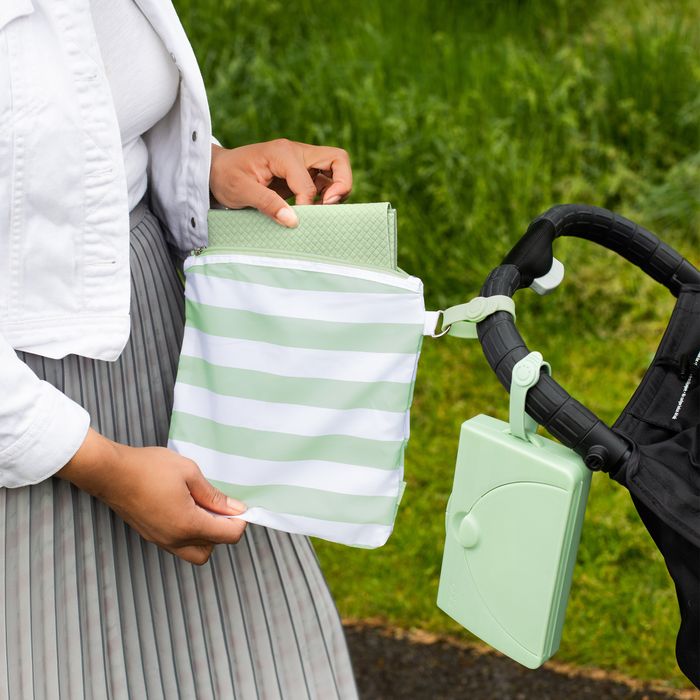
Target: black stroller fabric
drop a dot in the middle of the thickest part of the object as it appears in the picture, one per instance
(662, 421)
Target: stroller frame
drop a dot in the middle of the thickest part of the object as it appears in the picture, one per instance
(654, 453)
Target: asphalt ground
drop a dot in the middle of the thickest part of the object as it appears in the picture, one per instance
(393, 663)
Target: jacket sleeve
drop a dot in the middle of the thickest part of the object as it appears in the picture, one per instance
(40, 427)
(213, 202)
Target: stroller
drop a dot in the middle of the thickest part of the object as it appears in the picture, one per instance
(653, 449)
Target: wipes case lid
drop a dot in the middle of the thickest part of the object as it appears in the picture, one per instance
(513, 525)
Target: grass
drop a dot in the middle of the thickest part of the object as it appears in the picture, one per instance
(472, 118)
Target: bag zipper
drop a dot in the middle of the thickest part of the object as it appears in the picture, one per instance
(312, 258)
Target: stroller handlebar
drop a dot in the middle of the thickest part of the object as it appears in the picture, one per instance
(532, 255)
(547, 402)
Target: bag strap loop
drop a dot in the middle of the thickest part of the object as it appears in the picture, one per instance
(460, 320)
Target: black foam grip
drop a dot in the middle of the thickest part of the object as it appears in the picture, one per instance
(547, 402)
(532, 255)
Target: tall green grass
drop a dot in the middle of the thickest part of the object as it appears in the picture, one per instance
(472, 118)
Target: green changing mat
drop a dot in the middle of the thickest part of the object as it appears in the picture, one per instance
(356, 234)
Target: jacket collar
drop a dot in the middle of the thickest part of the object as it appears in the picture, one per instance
(11, 9)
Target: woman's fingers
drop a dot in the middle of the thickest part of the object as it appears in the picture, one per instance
(322, 183)
(209, 497)
(279, 185)
(267, 201)
(239, 177)
(206, 528)
(262, 175)
(337, 163)
(195, 553)
(217, 530)
(321, 180)
(287, 161)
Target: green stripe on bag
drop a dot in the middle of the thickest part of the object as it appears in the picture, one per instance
(321, 393)
(304, 333)
(303, 280)
(285, 447)
(314, 503)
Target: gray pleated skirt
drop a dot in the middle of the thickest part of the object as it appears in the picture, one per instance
(91, 610)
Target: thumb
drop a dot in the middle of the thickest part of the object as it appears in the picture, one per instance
(209, 497)
(270, 203)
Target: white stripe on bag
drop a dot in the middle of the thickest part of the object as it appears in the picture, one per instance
(312, 305)
(314, 474)
(291, 418)
(345, 533)
(286, 361)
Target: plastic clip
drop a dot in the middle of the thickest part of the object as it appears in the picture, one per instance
(526, 373)
(550, 280)
(460, 321)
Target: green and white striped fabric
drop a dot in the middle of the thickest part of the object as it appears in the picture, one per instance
(294, 387)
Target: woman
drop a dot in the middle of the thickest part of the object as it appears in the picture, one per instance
(106, 169)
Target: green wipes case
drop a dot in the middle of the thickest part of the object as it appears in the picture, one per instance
(297, 368)
(513, 525)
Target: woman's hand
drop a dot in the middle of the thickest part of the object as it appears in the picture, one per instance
(263, 175)
(161, 494)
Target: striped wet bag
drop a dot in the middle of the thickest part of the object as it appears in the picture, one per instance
(297, 369)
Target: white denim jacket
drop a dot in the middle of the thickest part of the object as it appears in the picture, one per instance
(64, 220)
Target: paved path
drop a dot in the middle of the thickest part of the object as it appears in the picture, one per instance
(395, 664)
